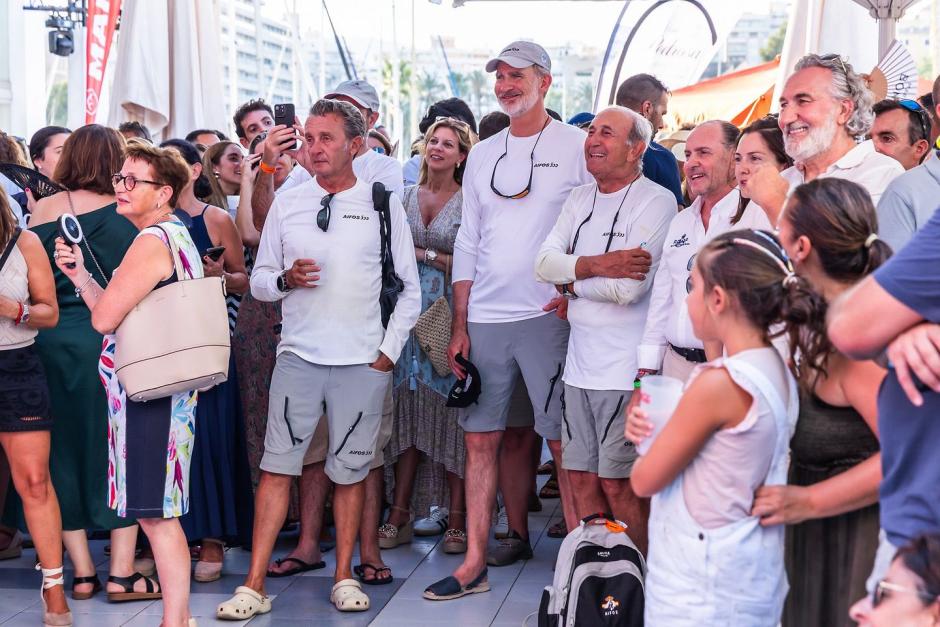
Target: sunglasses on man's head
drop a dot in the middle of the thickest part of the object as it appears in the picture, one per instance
(917, 109)
(323, 215)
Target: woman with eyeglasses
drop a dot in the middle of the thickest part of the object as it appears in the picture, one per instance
(909, 595)
(423, 425)
(830, 502)
(150, 443)
(69, 353)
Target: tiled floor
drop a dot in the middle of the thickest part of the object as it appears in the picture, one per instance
(304, 600)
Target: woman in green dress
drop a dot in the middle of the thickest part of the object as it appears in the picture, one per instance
(70, 352)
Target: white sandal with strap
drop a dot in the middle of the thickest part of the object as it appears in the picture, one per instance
(347, 596)
(52, 577)
(245, 604)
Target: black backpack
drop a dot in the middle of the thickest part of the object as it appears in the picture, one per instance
(392, 285)
(599, 578)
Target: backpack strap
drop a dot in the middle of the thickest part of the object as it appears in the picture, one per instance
(381, 201)
(10, 245)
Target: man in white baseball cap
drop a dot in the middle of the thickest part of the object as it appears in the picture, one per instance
(504, 320)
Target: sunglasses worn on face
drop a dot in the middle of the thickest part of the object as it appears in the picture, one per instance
(528, 186)
(917, 109)
(323, 215)
(130, 181)
(886, 589)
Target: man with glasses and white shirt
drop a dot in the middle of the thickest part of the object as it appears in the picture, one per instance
(588, 255)
(320, 255)
(514, 186)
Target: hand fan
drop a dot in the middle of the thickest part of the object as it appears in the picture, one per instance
(27, 178)
(895, 76)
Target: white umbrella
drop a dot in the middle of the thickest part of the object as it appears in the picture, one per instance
(824, 26)
(168, 74)
(887, 13)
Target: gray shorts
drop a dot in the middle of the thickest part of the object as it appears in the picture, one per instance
(320, 442)
(350, 396)
(534, 348)
(592, 437)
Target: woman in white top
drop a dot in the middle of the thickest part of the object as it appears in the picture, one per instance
(710, 560)
(28, 302)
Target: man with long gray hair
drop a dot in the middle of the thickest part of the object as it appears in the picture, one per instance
(825, 114)
(587, 256)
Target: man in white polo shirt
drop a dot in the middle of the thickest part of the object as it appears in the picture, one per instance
(587, 255)
(514, 186)
(669, 343)
(825, 114)
(320, 256)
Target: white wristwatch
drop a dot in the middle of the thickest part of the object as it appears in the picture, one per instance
(430, 255)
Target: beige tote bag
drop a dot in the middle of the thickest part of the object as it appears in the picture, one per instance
(175, 340)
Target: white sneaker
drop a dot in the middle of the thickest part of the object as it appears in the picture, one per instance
(433, 525)
(501, 529)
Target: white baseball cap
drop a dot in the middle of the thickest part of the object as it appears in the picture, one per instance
(520, 54)
(360, 91)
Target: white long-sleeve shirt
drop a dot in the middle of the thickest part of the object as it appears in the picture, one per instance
(499, 237)
(370, 166)
(608, 316)
(338, 322)
(668, 318)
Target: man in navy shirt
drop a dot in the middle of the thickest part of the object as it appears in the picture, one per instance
(646, 95)
(898, 308)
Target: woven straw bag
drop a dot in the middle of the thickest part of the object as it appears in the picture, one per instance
(432, 330)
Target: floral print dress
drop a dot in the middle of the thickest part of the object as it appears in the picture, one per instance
(150, 444)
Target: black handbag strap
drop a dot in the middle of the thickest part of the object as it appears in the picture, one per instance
(10, 245)
(380, 200)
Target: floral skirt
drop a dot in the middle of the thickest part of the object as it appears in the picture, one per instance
(150, 446)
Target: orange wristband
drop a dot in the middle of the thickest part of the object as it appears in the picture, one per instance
(267, 169)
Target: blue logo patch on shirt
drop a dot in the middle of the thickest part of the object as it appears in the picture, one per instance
(682, 241)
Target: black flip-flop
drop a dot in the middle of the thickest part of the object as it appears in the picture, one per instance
(360, 571)
(301, 567)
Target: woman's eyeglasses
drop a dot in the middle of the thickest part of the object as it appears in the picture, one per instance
(528, 185)
(886, 588)
(323, 215)
(130, 181)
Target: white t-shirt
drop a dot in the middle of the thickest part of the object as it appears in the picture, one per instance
(608, 316)
(370, 167)
(863, 165)
(668, 319)
(339, 321)
(499, 237)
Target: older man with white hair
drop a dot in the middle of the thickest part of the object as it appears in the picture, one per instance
(825, 114)
(589, 256)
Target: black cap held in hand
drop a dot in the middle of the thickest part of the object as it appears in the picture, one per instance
(465, 391)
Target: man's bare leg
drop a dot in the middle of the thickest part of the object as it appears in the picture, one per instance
(371, 512)
(271, 501)
(480, 479)
(628, 507)
(314, 487)
(564, 486)
(516, 474)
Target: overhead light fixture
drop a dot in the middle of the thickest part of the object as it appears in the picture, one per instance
(61, 36)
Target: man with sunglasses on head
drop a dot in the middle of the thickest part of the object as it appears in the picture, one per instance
(825, 114)
(514, 187)
(589, 255)
(911, 199)
(320, 256)
(901, 130)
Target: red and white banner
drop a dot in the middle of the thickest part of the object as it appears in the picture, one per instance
(100, 25)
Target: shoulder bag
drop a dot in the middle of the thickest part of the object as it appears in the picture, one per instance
(176, 339)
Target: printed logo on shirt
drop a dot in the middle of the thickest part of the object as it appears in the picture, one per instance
(546, 164)
(355, 216)
(355, 452)
(682, 241)
(610, 606)
(615, 234)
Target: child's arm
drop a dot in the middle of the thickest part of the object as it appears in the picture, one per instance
(713, 401)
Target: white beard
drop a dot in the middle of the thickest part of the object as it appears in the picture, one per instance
(524, 104)
(817, 140)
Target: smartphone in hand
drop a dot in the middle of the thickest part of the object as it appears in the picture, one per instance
(215, 253)
(284, 114)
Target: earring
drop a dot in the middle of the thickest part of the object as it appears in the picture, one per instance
(217, 175)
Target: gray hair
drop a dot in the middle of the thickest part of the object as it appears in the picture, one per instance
(640, 132)
(353, 124)
(846, 85)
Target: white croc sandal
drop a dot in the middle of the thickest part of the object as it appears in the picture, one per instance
(347, 596)
(245, 604)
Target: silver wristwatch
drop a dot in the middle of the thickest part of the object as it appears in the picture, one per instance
(430, 255)
(24, 318)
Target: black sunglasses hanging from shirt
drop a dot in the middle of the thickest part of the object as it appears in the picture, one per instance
(528, 186)
(610, 235)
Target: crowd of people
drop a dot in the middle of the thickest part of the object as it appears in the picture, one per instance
(405, 339)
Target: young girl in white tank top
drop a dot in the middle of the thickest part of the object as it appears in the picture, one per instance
(710, 561)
